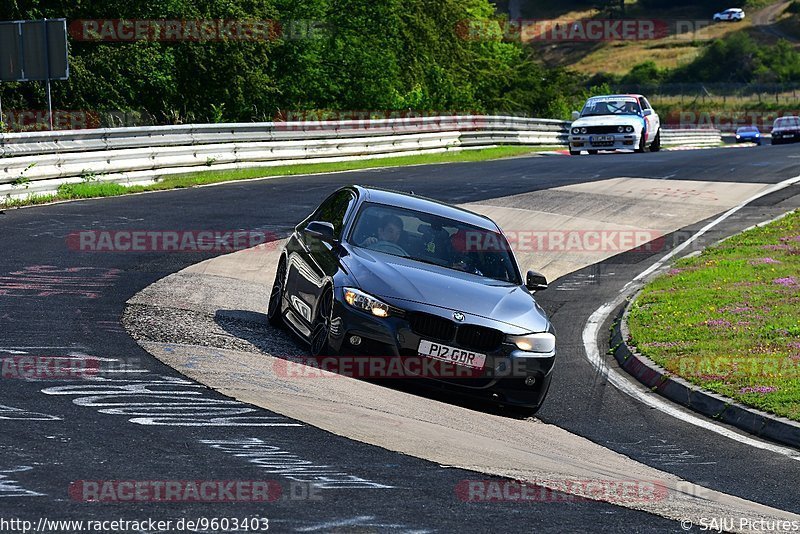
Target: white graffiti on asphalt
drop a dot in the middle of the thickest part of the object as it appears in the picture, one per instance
(164, 401)
(18, 414)
(277, 461)
(9, 488)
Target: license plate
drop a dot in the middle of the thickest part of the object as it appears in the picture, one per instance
(788, 135)
(601, 138)
(445, 353)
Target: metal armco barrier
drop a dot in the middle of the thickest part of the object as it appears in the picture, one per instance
(38, 162)
(691, 137)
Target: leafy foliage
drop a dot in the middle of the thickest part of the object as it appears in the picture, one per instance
(332, 55)
(739, 59)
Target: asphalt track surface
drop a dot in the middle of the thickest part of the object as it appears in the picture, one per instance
(55, 301)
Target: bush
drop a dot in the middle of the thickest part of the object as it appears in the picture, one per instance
(739, 59)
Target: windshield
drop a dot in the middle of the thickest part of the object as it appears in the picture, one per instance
(611, 106)
(785, 122)
(436, 240)
(746, 129)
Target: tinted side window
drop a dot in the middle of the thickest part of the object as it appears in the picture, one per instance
(644, 103)
(333, 211)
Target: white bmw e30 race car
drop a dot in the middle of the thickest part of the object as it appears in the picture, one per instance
(615, 122)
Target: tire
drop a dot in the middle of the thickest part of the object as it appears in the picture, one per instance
(774, 142)
(518, 412)
(274, 315)
(592, 152)
(321, 328)
(640, 148)
(574, 152)
(526, 411)
(655, 146)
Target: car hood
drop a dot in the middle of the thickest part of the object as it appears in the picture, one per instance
(609, 120)
(396, 278)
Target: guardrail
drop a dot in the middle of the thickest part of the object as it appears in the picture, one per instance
(704, 137)
(39, 162)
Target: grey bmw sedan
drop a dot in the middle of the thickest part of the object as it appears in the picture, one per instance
(398, 285)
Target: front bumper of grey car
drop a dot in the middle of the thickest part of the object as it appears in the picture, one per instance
(475, 356)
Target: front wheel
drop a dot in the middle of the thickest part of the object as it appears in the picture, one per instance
(640, 148)
(321, 328)
(574, 152)
(592, 152)
(274, 314)
(655, 146)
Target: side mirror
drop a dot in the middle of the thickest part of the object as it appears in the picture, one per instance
(535, 281)
(576, 115)
(646, 112)
(321, 230)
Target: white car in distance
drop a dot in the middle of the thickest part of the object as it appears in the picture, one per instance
(732, 14)
(615, 122)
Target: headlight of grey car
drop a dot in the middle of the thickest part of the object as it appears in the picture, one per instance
(576, 131)
(362, 301)
(629, 129)
(541, 342)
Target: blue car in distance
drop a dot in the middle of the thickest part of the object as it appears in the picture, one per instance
(748, 134)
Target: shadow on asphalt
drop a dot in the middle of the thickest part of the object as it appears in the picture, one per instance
(253, 327)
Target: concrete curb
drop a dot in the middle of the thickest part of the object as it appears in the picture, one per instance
(676, 389)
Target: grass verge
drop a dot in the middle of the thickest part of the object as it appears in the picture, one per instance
(729, 319)
(93, 188)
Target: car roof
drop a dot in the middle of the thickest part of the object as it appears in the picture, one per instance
(423, 204)
(629, 95)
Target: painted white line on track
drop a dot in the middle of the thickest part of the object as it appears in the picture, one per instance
(625, 385)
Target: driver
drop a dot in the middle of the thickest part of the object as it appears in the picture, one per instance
(390, 230)
(631, 107)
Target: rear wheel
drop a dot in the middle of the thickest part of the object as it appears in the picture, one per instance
(321, 329)
(274, 314)
(655, 146)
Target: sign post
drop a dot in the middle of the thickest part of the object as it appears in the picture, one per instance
(47, 67)
(34, 50)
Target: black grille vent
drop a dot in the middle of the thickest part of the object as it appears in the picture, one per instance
(426, 325)
(479, 338)
(602, 129)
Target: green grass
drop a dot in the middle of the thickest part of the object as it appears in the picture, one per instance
(93, 188)
(729, 319)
